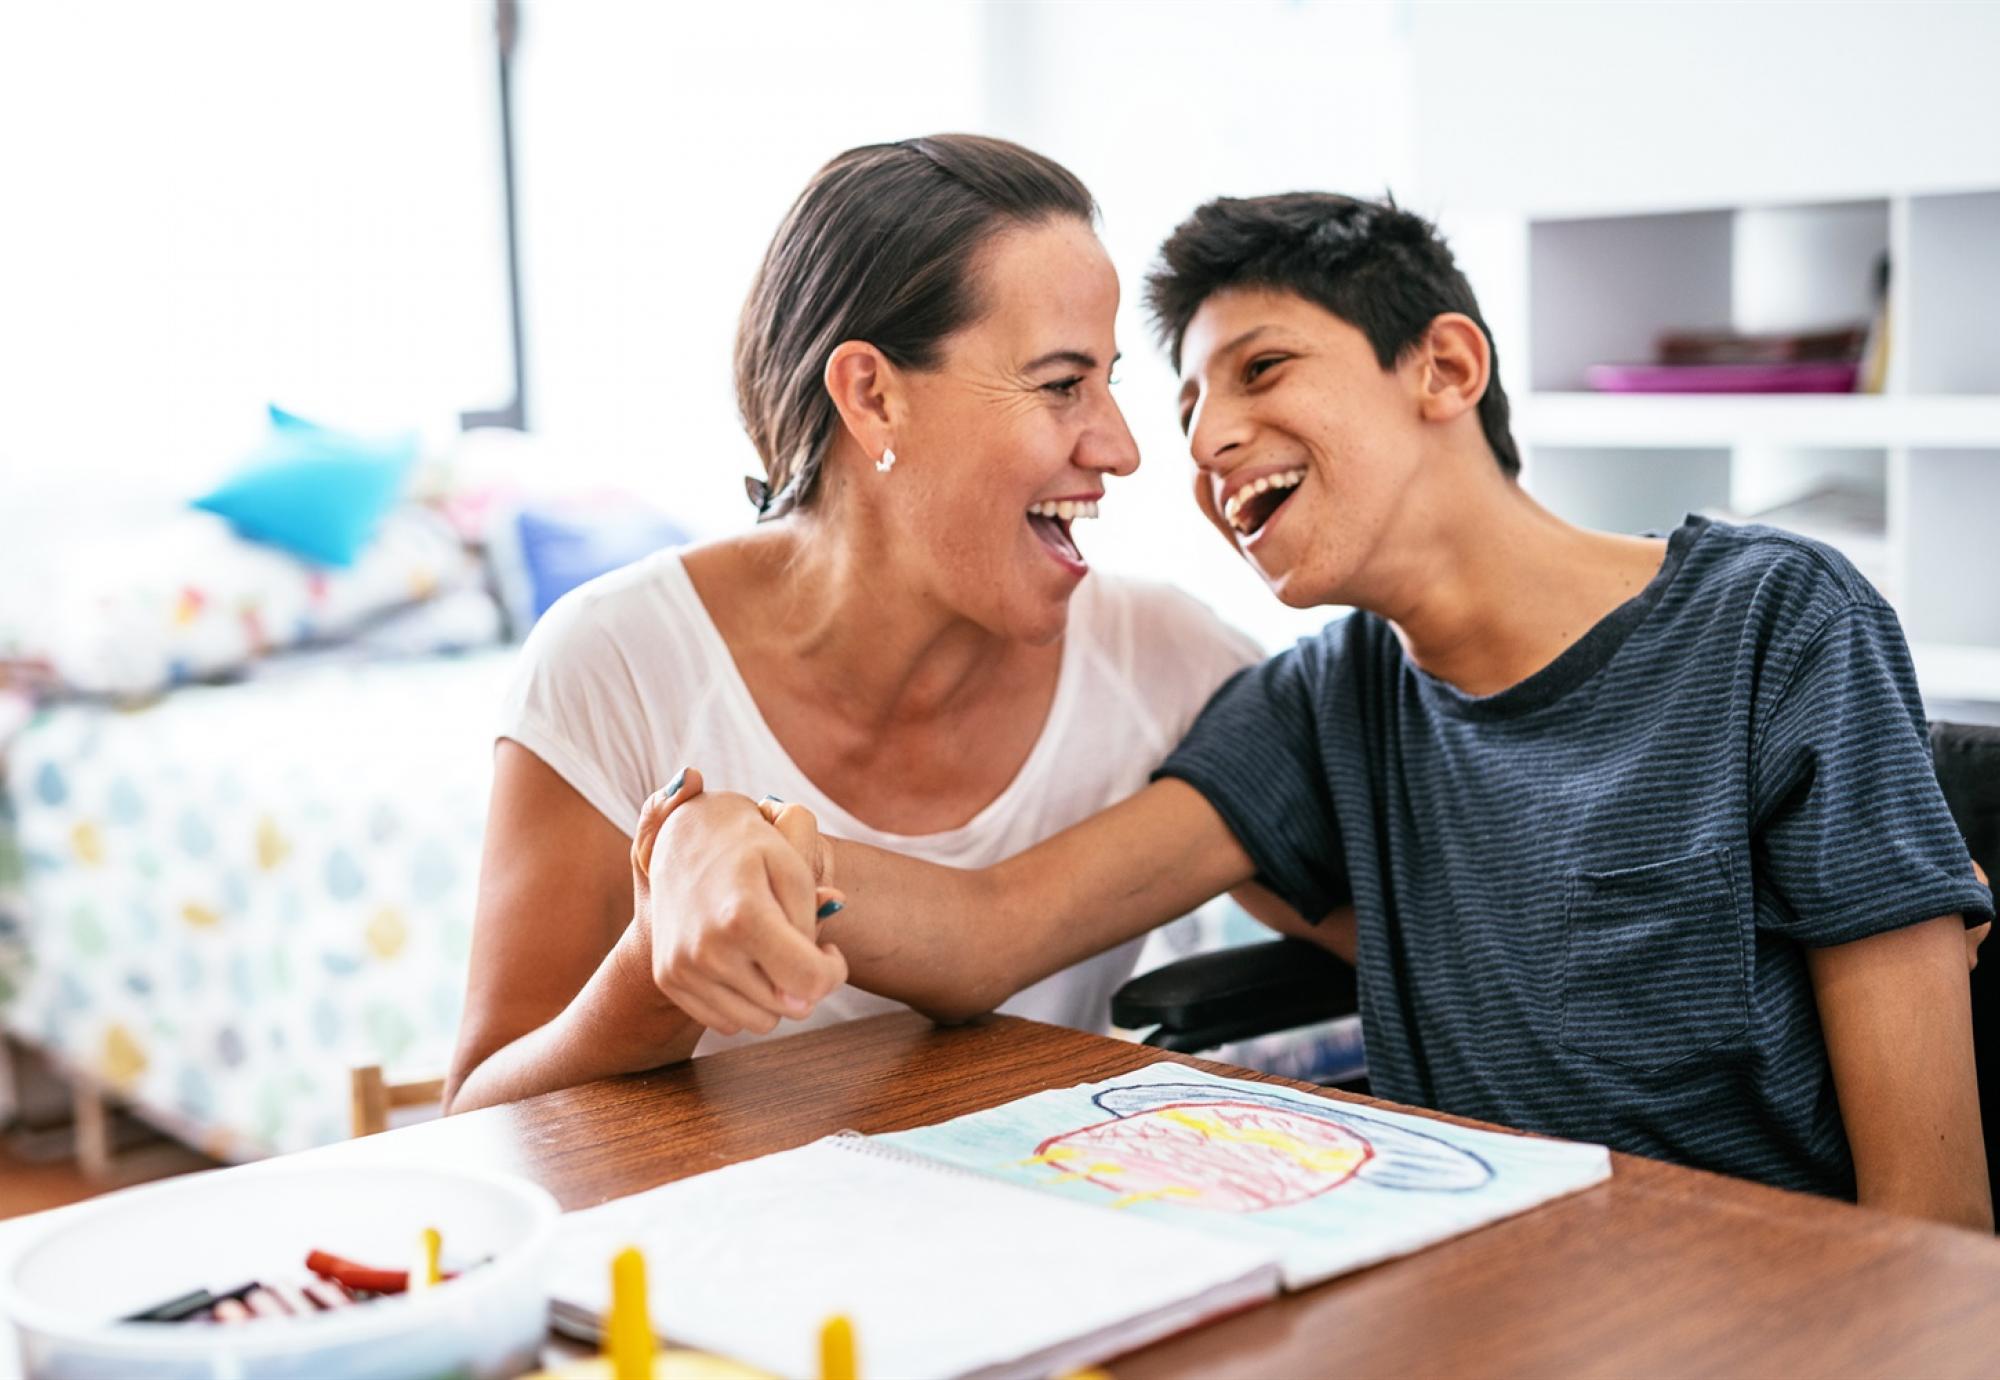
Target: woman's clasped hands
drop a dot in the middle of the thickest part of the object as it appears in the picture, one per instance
(731, 894)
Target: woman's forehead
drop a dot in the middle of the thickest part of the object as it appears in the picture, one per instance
(1046, 288)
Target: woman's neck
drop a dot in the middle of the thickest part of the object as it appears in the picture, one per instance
(822, 599)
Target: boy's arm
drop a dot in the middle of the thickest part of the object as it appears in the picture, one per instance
(952, 943)
(956, 943)
(1897, 1018)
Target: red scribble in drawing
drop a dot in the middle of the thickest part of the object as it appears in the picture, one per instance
(1223, 1156)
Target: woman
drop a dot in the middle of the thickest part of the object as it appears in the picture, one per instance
(906, 642)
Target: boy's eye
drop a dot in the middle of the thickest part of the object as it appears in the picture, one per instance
(1260, 365)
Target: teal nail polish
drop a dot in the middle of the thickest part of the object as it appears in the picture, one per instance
(771, 800)
(674, 786)
(831, 909)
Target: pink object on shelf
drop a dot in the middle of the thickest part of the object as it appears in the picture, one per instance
(1807, 377)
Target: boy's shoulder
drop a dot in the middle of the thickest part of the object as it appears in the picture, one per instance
(1777, 566)
(1776, 590)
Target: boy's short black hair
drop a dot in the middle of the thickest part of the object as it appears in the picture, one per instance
(1381, 269)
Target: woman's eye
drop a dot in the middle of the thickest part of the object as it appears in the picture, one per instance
(1064, 387)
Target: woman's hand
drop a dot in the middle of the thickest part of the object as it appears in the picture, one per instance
(731, 906)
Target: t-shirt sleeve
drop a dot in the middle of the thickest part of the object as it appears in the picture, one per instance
(1254, 754)
(575, 702)
(1850, 831)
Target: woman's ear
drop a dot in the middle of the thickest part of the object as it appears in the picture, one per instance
(867, 392)
(1456, 362)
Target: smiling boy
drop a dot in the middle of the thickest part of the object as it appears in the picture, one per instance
(1640, 835)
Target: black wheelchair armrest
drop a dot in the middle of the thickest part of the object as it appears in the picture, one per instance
(1967, 758)
(1234, 994)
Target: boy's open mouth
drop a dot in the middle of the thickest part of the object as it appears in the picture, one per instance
(1257, 502)
(1051, 522)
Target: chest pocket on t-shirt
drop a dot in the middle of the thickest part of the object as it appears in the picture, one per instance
(1653, 963)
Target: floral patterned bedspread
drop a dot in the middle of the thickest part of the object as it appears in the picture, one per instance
(220, 903)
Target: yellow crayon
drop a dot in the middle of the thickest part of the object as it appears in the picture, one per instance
(836, 1350)
(424, 1271)
(628, 1334)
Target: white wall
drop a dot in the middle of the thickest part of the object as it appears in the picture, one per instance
(1563, 107)
(659, 146)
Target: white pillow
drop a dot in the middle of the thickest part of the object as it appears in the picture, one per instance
(184, 598)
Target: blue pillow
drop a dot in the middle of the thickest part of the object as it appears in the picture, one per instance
(314, 491)
(544, 550)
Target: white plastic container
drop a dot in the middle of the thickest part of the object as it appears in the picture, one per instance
(129, 1252)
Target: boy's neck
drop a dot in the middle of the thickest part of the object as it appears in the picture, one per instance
(1486, 587)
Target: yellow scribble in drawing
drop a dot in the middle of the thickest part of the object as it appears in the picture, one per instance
(1064, 1154)
(1170, 1191)
(1089, 1171)
(1055, 1154)
(1332, 1159)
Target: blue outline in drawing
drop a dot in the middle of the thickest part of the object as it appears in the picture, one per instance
(1404, 1160)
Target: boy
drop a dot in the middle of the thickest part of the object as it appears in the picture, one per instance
(1641, 836)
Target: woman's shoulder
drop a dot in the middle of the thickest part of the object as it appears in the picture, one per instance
(1163, 650)
(1151, 620)
(640, 623)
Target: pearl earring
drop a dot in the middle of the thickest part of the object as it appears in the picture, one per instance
(887, 462)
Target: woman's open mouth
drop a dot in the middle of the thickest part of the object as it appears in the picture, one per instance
(1251, 508)
(1051, 522)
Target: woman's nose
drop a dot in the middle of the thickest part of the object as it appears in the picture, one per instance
(1108, 446)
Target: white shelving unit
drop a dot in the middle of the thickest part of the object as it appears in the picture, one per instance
(1906, 482)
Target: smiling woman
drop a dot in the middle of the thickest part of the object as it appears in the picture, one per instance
(909, 641)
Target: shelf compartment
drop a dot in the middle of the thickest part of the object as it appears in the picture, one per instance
(1953, 284)
(1951, 559)
(1602, 291)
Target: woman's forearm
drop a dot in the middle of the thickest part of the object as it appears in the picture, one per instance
(618, 1023)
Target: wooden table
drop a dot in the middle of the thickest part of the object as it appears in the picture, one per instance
(1662, 1271)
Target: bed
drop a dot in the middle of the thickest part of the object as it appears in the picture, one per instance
(218, 905)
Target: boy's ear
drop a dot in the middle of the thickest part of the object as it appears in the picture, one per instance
(866, 390)
(1455, 363)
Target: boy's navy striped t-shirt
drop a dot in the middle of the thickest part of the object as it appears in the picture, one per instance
(1584, 902)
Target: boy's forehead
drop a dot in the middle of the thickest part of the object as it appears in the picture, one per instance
(1228, 321)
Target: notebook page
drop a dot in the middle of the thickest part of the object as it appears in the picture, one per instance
(943, 1273)
(1325, 1186)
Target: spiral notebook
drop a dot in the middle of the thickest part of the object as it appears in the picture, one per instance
(1052, 1232)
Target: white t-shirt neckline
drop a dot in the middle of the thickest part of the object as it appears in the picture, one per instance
(741, 705)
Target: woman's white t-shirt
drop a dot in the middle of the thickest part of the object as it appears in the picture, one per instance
(627, 679)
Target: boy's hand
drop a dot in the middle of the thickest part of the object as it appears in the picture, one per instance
(729, 905)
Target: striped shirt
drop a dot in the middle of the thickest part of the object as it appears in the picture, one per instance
(1585, 901)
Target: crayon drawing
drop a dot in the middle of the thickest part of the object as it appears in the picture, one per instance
(1235, 1150)
(1327, 1185)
